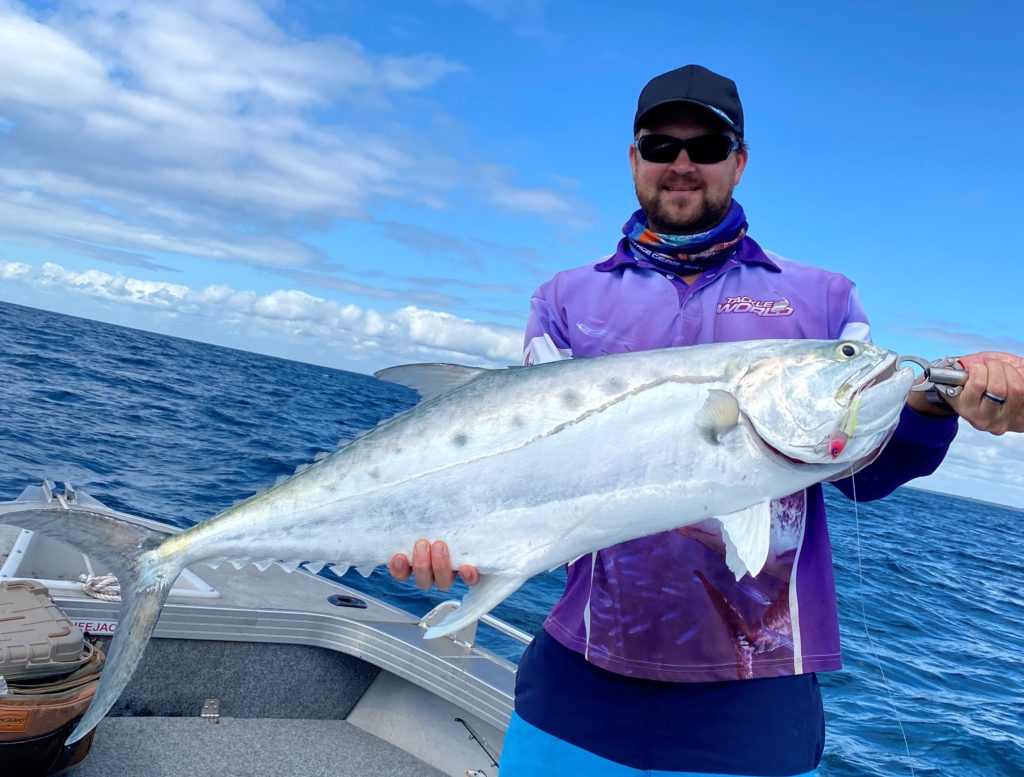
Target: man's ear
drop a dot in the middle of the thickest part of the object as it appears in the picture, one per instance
(742, 156)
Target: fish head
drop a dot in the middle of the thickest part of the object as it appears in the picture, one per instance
(825, 401)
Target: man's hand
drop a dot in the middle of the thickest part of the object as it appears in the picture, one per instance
(994, 376)
(431, 564)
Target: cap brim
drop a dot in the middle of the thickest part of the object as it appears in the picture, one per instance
(714, 112)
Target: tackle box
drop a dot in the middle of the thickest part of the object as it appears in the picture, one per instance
(36, 638)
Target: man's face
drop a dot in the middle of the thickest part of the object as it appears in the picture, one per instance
(680, 197)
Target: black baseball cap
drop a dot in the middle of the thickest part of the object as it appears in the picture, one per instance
(695, 85)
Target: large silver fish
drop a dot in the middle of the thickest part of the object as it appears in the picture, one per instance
(521, 470)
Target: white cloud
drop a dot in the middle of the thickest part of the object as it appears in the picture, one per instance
(527, 17)
(968, 342)
(195, 128)
(113, 287)
(982, 466)
(15, 271)
(46, 65)
(549, 204)
(541, 202)
(285, 322)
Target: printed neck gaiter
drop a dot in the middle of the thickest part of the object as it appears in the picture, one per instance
(687, 254)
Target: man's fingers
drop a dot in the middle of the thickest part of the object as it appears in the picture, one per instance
(422, 568)
(1006, 358)
(469, 574)
(442, 563)
(968, 404)
(431, 565)
(996, 388)
(993, 397)
(1014, 407)
(399, 567)
(977, 379)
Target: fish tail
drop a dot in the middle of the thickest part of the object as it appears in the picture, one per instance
(146, 567)
(141, 601)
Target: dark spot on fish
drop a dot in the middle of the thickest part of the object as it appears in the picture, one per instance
(517, 421)
(613, 385)
(571, 399)
(374, 474)
(459, 440)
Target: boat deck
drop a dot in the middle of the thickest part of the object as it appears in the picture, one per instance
(249, 747)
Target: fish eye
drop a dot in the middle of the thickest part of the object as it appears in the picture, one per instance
(849, 350)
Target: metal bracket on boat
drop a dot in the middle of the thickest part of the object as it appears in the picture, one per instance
(467, 635)
(211, 711)
(464, 636)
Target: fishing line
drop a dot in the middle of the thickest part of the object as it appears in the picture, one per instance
(867, 631)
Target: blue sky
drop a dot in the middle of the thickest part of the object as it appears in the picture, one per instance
(359, 183)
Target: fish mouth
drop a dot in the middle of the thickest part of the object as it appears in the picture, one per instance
(878, 373)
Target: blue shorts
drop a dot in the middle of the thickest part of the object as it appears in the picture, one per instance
(572, 717)
(530, 752)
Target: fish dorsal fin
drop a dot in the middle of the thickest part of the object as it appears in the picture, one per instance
(430, 380)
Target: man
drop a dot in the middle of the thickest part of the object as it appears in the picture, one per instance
(656, 660)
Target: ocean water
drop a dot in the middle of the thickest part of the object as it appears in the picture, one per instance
(931, 588)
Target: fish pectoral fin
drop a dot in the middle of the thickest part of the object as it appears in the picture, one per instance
(430, 380)
(481, 599)
(747, 534)
(720, 414)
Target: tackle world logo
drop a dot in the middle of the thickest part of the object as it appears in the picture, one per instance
(767, 308)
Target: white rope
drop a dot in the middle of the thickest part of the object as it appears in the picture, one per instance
(102, 587)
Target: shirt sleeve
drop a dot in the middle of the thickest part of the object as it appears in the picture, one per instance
(854, 325)
(918, 445)
(546, 338)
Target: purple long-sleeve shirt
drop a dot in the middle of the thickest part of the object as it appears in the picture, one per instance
(666, 607)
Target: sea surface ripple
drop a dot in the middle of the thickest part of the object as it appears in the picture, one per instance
(931, 587)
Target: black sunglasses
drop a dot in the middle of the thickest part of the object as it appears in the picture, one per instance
(702, 150)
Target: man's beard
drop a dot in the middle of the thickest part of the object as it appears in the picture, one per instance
(659, 220)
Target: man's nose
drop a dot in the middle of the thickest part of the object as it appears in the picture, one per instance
(682, 162)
